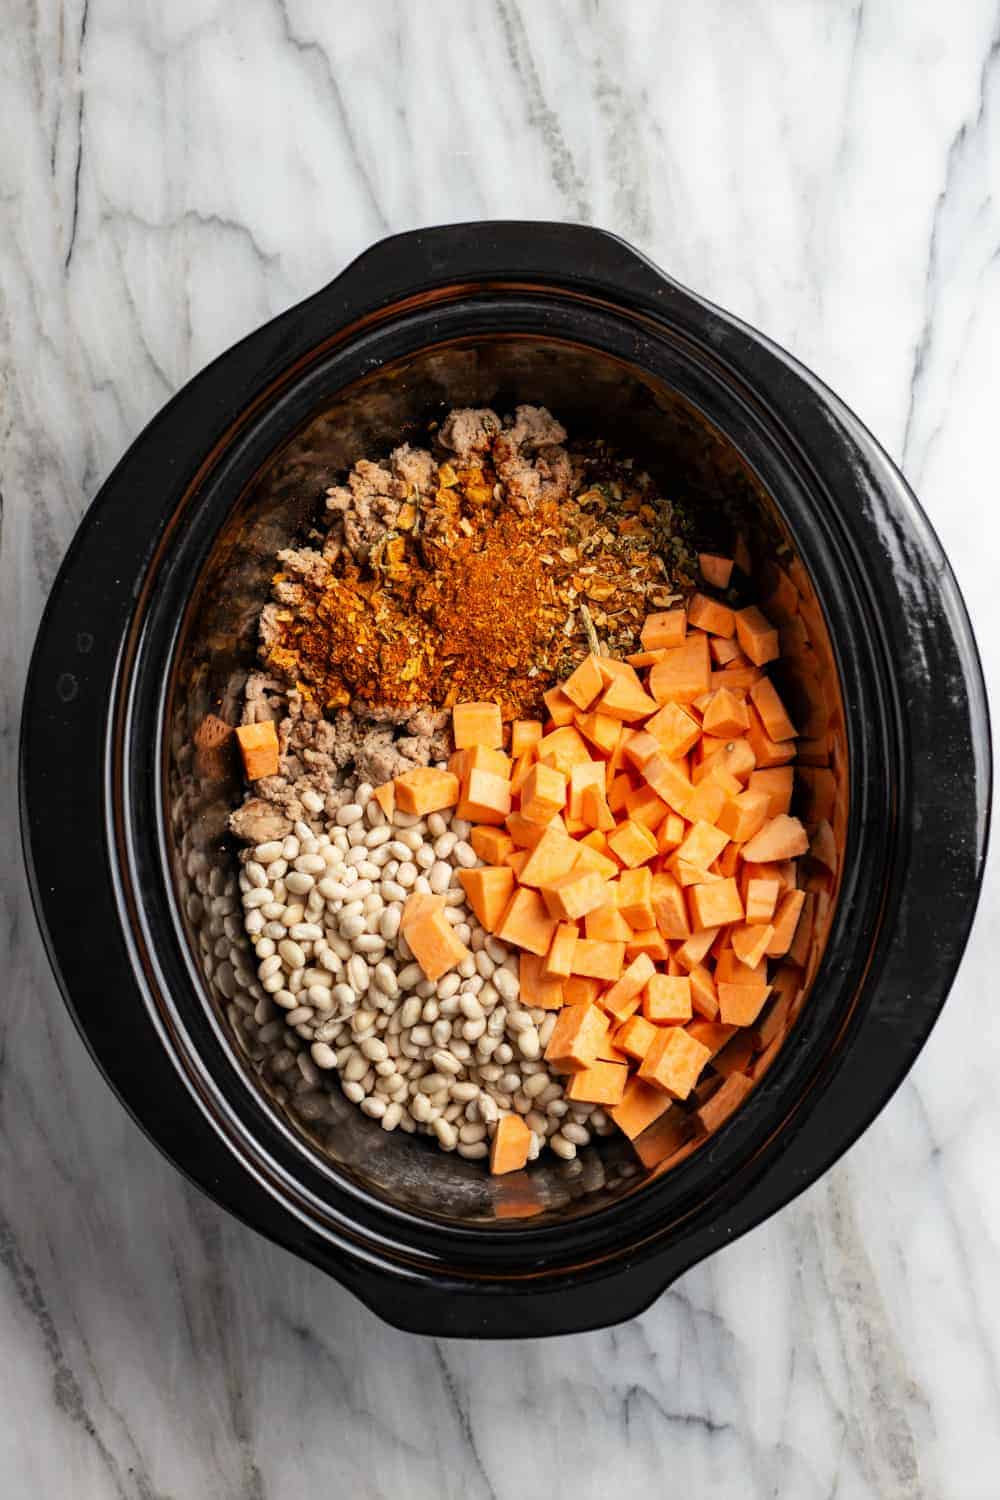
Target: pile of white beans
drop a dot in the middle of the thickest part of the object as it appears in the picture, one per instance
(322, 909)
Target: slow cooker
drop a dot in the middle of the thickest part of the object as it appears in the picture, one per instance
(152, 623)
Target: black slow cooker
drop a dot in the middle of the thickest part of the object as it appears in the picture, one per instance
(151, 624)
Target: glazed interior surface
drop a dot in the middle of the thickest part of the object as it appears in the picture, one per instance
(593, 394)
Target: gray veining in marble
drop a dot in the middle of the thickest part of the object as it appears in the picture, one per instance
(170, 176)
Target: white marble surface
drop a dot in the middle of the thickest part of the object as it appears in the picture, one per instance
(170, 175)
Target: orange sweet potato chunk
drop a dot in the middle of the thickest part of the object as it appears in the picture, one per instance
(649, 941)
(598, 960)
(524, 736)
(760, 900)
(750, 944)
(488, 891)
(726, 715)
(780, 838)
(562, 749)
(667, 627)
(584, 684)
(702, 843)
(259, 749)
(602, 1083)
(622, 999)
(707, 614)
(715, 904)
(431, 937)
(607, 925)
(704, 998)
(577, 1037)
(626, 701)
(594, 809)
(633, 843)
(477, 724)
(600, 729)
(543, 793)
(588, 773)
(385, 796)
(669, 780)
(589, 857)
(674, 729)
(578, 989)
(741, 1004)
(767, 752)
(491, 844)
(561, 709)
(674, 1062)
(757, 636)
(777, 782)
(669, 907)
(558, 962)
(635, 897)
(786, 920)
(571, 895)
(744, 815)
(641, 1105)
(711, 1034)
(425, 790)
(666, 1000)
(635, 1036)
(526, 923)
(773, 714)
(645, 807)
(684, 673)
(715, 570)
(510, 1145)
(554, 854)
(536, 989)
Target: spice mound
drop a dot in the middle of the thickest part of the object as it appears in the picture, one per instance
(480, 568)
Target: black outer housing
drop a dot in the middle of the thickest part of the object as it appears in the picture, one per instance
(920, 773)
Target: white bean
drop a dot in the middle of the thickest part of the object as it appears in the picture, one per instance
(350, 813)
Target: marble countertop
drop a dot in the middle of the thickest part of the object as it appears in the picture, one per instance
(172, 175)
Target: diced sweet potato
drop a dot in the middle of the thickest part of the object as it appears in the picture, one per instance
(786, 920)
(561, 709)
(258, 749)
(600, 729)
(760, 901)
(517, 860)
(562, 749)
(385, 796)
(666, 1000)
(488, 891)
(702, 843)
(601, 1083)
(526, 923)
(731, 968)
(641, 747)
(726, 715)
(741, 1004)
(558, 963)
(715, 904)
(684, 673)
(579, 989)
(705, 801)
(715, 1111)
(482, 758)
(767, 752)
(536, 989)
(670, 834)
(524, 736)
(634, 1037)
(773, 714)
(757, 636)
(431, 937)
(635, 897)
(577, 1037)
(649, 941)
(744, 815)
(667, 627)
(588, 773)
(622, 999)
(491, 844)
(594, 809)
(704, 998)
(643, 806)
(589, 857)
(543, 793)
(780, 838)
(632, 843)
(641, 1104)
(725, 651)
(750, 943)
(669, 780)
(607, 925)
(693, 949)
(570, 895)
(669, 907)
(554, 854)
(715, 570)
(707, 614)
(777, 782)
(598, 960)
(486, 797)
(823, 847)
(626, 701)
(477, 724)
(510, 1145)
(618, 792)
(584, 684)
(674, 1062)
(674, 729)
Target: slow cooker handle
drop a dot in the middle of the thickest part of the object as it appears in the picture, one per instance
(419, 261)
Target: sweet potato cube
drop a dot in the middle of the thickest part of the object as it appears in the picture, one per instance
(584, 684)
(684, 673)
(798, 953)
(669, 907)
(786, 920)
(715, 570)
(705, 802)
(704, 998)
(724, 1102)
(707, 614)
(780, 838)
(622, 999)
(524, 736)
(594, 809)
(667, 1001)
(536, 989)
(491, 844)
(634, 1036)
(669, 780)
(600, 729)
(693, 949)
(555, 854)
(626, 701)
(589, 857)
(526, 923)
(670, 834)
(611, 667)
(562, 749)
(641, 747)
(577, 1037)
(517, 860)
(510, 1145)
(649, 941)
(519, 774)
(601, 1083)
(726, 715)
(488, 891)
(675, 730)
(561, 709)
(713, 905)
(735, 756)
(635, 897)
(757, 636)
(731, 968)
(543, 793)
(643, 806)
(702, 843)
(258, 749)
(609, 1051)
(588, 773)
(477, 724)
(773, 715)
(486, 797)
(760, 900)
(711, 1034)
(527, 834)
(742, 816)
(723, 652)
(641, 1105)
(633, 843)
(823, 847)
(578, 988)
(482, 758)
(616, 761)
(777, 782)
(666, 627)
(570, 895)
(598, 960)
(674, 1062)
(558, 963)
(741, 1004)
(750, 943)
(767, 752)
(431, 937)
(605, 924)
(618, 792)
(385, 796)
